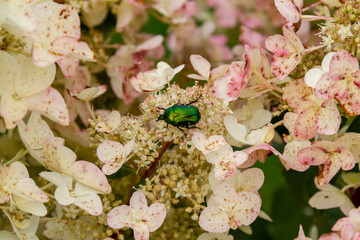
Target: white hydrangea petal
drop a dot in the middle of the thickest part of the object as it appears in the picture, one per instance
(29, 232)
(351, 142)
(201, 65)
(91, 93)
(90, 175)
(27, 187)
(327, 199)
(151, 43)
(225, 196)
(252, 179)
(247, 208)
(325, 64)
(111, 123)
(91, 203)
(5, 234)
(62, 195)
(138, 205)
(199, 140)
(260, 118)
(120, 217)
(313, 76)
(51, 104)
(220, 154)
(35, 132)
(57, 178)
(234, 128)
(33, 79)
(33, 207)
(12, 110)
(155, 216)
(212, 219)
(141, 231)
(110, 151)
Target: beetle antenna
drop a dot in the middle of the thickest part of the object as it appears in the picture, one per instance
(194, 100)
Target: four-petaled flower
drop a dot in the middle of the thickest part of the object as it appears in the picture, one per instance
(138, 216)
(114, 155)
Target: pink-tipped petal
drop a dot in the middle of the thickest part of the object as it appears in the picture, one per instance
(110, 152)
(342, 63)
(313, 155)
(288, 10)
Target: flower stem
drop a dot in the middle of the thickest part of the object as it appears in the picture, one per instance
(311, 6)
(20, 154)
(152, 167)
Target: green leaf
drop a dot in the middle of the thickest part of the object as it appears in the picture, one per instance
(124, 171)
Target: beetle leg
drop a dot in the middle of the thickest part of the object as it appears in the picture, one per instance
(182, 131)
(193, 101)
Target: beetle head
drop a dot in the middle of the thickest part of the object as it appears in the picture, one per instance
(160, 117)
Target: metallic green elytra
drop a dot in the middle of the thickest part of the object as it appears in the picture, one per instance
(181, 115)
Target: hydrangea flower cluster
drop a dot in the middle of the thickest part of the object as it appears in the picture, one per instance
(163, 119)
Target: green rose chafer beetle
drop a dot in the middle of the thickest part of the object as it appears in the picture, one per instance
(181, 115)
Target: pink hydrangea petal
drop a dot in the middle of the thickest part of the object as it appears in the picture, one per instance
(327, 199)
(326, 87)
(90, 203)
(225, 12)
(72, 47)
(12, 110)
(288, 10)
(90, 175)
(329, 236)
(305, 124)
(42, 57)
(252, 179)
(328, 118)
(33, 79)
(138, 205)
(111, 123)
(26, 187)
(342, 63)
(290, 155)
(110, 152)
(141, 231)
(212, 219)
(281, 67)
(201, 65)
(350, 99)
(301, 235)
(289, 121)
(313, 155)
(109, 169)
(347, 232)
(294, 93)
(120, 217)
(51, 104)
(294, 40)
(351, 142)
(225, 196)
(247, 208)
(275, 43)
(326, 172)
(155, 216)
(68, 66)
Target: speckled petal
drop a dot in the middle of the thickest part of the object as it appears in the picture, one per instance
(288, 10)
(313, 155)
(155, 216)
(141, 231)
(342, 63)
(351, 141)
(326, 172)
(328, 118)
(110, 124)
(225, 196)
(247, 208)
(138, 205)
(51, 104)
(290, 155)
(26, 187)
(120, 217)
(90, 203)
(305, 124)
(90, 175)
(212, 219)
(12, 110)
(252, 179)
(343, 158)
(110, 152)
(72, 47)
